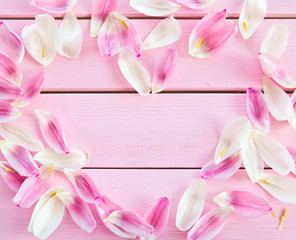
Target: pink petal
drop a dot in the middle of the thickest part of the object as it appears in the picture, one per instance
(245, 204)
(223, 170)
(52, 132)
(130, 222)
(33, 188)
(9, 70)
(210, 34)
(100, 11)
(12, 40)
(31, 88)
(11, 177)
(210, 224)
(9, 91)
(164, 69)
(257, 109)
(273, 69)
(8, 112)
(293, 98)
(197, 4)
(128, 35)
(79, 211)
(157, 216)
(84, 185)
(19, 158)
(54, 6)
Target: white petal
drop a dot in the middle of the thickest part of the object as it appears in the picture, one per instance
(233, 137)
(276, 40)
(278, 102)
(252, 14)
(70, 36)
(134, 72)
(273, 153)
(166, 32)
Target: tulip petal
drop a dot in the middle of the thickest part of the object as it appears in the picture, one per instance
(54, 6)
(77, 158)
(252, 15)
(9, 91)
(33, 188)
(280, 187)
(128, 35)
(108, 40)
(100, 11)
(233, 137)
(210, 34)
(52, 131)
(130, 222)
(164, 69)
(8, 112)
(134, 72)
(245, 204)
(197, 4)
(31, 88)
(257, 109)
(223, 170)
(253, 161)
(11, 177)
(155, 7)
(191, 206)
(278, 102)
(9, 70)
(210, 224)
(41, 39)
(47, 215)
(79, 211)
(70, 36)
(274, 153)
(157, 216)
(12, 40)
(84, 185)
(165, 33)
(276, 40)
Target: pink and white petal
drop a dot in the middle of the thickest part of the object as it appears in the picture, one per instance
(191, 206)
(9, 70)
(130, 222)
(157, 216)
(257, 109)
(100, 11)
(210, 224)
(9, 91)
(8, 112)
(278, 102)
(275, 42)
(31, 87)
(274, 153)
(54, 6)
(273, 69)
(165, 33)
(245, 204)
(128, 35)
(292, 122)
(293, 98)
(79, 211)
(108, 40)
(233, 137)
(281, 187)
(70, 36)
(223, 170)
(84, 185)
(155, 8)
(11, 177)
(12, 40)
(75, 159)
(252, 15)
(134, 72)
(197, 4)
(164, 69)
(52, 131)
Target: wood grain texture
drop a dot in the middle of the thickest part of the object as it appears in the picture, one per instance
(138, 189)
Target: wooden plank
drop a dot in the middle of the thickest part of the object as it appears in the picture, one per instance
(159, 131)
(236, 67)
(138, 189)
(20, 8)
